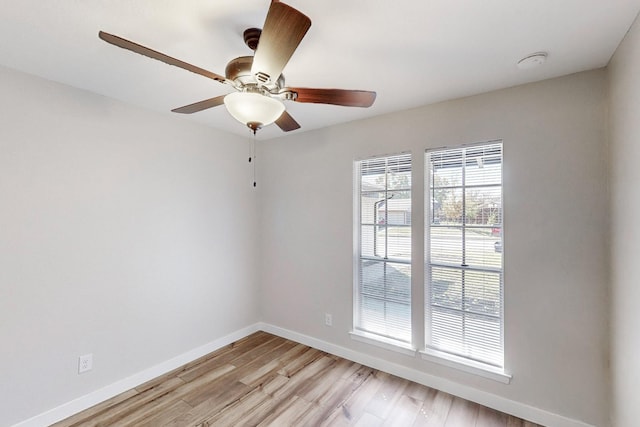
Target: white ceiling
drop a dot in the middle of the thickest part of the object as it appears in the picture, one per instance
(411, 52)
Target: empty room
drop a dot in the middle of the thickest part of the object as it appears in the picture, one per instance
(254, 212)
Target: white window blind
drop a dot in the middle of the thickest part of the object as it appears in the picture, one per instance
(464, 252)
(383, 262)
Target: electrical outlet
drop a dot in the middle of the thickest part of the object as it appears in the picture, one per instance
(85, 363)
(328, 319)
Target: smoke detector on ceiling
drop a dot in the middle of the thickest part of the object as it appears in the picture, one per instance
(532, 61)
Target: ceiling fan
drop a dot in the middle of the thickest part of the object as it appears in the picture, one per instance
(258, 81)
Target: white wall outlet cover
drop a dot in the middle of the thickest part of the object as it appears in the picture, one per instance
(85, 363)
(328, 319)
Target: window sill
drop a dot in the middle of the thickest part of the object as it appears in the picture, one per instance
(469, 366)
(386, 343)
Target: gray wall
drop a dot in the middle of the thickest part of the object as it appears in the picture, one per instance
(556, 221)
(123, 233)
(624, 123)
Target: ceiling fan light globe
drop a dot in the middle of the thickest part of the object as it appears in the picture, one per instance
(247, 107)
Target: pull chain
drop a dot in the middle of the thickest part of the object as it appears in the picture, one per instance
(252, 156)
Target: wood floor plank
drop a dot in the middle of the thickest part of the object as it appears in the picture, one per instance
(295, 365)
(338, 418)
(435, 410)
(462, 413)
(169, 413)
(247, 365)
(233, 414)
(96, 410)
(219, 357)
(298, 381)
(386, 396)
(333, 399)
(267, 380)
(354, 407)
(419, 392)
(320, 391)
(162, 408)
(267, 370)
(262, 351)
(260, 374)
(192, 391)
(231, 356)
(292, 387)
(517, 422)
(287, 414)
(262, 411)
(488, 417)
(289, 390)
(404, 412)
(133, 404)
(369, 420)
(209, 408)
(313, 416)
(274, 384)
(323, 369)
(319, 413)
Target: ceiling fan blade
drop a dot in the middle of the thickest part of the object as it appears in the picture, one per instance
(347, 98)
(284, 29)
(199, 106)
(134, 47)
(287, 123)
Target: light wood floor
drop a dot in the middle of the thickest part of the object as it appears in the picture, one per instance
(264, 380)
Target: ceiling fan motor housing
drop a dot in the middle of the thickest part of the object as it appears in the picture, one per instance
(239, 71)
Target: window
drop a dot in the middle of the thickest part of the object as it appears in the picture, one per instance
(464, 253)
(383, 248)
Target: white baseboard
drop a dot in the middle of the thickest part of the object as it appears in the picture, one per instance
(499, 403)
(502, 404)
(85, 402)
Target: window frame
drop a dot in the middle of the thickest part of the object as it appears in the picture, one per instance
(491, 369)
(359, 332)
(417, 345)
